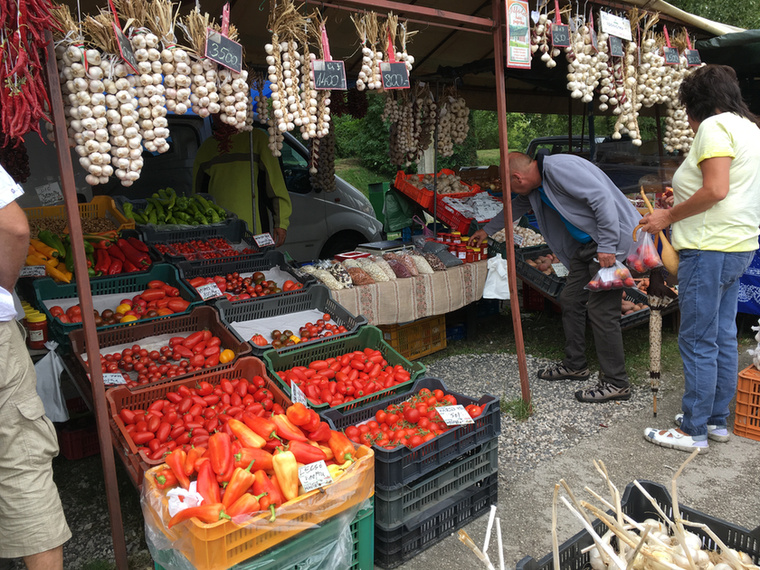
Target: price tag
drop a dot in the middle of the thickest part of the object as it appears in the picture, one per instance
(454, 415)
(125, 48)
(518, 240)
(32, 271)
(671, 55)
(113, 378)
(314, 475)
(594, 39)
(560, 269)
(263, 240)
(329, 75)
(560, 35)
(297, 395)
(209, 291)
(224, 51)
(395, 75)
(49, 194)
(692, 57)
(616, 47)
(615, 25)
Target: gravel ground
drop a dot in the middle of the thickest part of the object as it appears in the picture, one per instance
(559, 422)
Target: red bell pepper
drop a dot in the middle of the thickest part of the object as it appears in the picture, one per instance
(176, 462)
(220, 453)
(272, 496)
(298, 414)
(102, 261)
(240, 482)
(262, 426)
(306, 453)
(205, 513)
(341, 446)
(165, 479)
(129, 267)
(116, 267)
(245, 505)
(207, 486)
(321, 434)
(137, 244)
(286, 429)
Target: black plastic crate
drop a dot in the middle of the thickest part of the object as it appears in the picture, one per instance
(638, 507)
(245, 264)
(400, 506)
(315, 297)
(396, 546)
(639, 317)
(403, 466)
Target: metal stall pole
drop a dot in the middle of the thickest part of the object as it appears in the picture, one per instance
(85, 299)
(501, 109)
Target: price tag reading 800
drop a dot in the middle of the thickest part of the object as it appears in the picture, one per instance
(224, 51)
(314, 475)
(395, 75)
(454, 415)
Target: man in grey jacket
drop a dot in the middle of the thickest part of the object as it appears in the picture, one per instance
(588, 223)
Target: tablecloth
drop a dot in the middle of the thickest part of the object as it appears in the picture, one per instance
(749, 288)
(404, 300)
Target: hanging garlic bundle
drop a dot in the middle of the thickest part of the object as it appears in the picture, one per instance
(248, 125)
(585, 64)
(542, 37)
(402, 55)
(150, 91)
(651, 67)
(323, 167)
(235, 92)
(627, 121)
(309, 94)
(204, 99)
(454, 122)
(175, 62)
(399, 112)
(318, 100)
(261, 100)
(368, 28)
(66, 33)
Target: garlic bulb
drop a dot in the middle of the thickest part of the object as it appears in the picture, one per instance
(235, 92)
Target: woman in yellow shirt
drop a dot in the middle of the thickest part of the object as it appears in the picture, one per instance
(715, 219)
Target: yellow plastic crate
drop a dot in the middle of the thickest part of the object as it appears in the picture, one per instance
(418, 338)
(220, 545)
(100, 207)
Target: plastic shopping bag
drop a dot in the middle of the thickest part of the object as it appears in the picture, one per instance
(644, 255)
(497, 281)
(615, 277)
(49, 370)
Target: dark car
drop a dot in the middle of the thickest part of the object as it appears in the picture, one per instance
(627, 165)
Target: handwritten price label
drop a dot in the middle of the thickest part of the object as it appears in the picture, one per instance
(49, 194)
(224, 51)
(263, 240)
(209, 291)
(560, 269)
(32, 271)
(113, 378)
(518, 240)
(125, 48)
(454, 415)
(314, 475)
(297, 395)
(560, 35)
(329, 75)
(395, 75)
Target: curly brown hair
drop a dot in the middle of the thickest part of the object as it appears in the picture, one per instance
(713, 89)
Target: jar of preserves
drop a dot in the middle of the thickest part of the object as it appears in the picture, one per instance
(470, 255)
(36, 324)
(478, 254)
(456, 238)
(461, 252)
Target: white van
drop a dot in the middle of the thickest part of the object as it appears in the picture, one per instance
(321, 224)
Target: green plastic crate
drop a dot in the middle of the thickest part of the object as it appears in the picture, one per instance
(367, 337)
(130, 284)
(294, 552)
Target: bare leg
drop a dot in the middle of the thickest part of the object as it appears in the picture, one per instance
(48, 560)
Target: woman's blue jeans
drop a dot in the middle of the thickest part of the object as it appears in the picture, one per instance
(708, 289)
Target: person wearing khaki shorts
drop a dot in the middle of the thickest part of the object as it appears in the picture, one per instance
(32, 522)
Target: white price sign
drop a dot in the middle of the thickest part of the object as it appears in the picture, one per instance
(111, 378)
(454, 415)
(314, 475)
(615, 25)
(49, 194)
(209, 291)
(297, 395)
(560, 269)
(263, 240)
(518, 240)
(32, 271)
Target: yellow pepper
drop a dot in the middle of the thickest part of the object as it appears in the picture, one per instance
(226, 356)
(43, 248)
(34, 260)
(286, 470)
(58, 275)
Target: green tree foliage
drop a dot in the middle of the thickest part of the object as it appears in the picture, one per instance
(741, 14)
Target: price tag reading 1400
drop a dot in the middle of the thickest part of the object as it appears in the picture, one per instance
(224, 51)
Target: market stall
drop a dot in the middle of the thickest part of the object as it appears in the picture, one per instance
(169, 330)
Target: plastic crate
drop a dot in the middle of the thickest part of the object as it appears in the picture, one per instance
(393, 508)
(235, 231)
(639, 317)
(78, 438)
(396, 546)
(199, 318)
(456, 332)
(423, 196)
(45, 289)
(417, 338)
(549, 284)
(401, 466)
(99, 207)
(747, 420)
(244, 264)
(315, 297)
(367, 337)
(222, 544)
(638, 507)
(532, 300)
(122, 397)
(294, 554)
(453, 218)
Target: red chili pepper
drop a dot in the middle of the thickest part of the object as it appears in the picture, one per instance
(176, 461)
(262, 458)
(286, 430)
(129, 267)
(137, 258)
(240, 482)
(273, 497)
(306, 453)
(193, 454)
(321, 434)
(115, 252)
(262, 426)
(246, 436)
(207, 486)
(220, 453)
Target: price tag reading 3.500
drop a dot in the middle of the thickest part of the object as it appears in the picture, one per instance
(224, 51)
(454, 415)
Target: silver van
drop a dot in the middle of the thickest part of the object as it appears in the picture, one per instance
(321, 224)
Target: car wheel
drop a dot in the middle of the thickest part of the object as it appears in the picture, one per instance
(340, 243)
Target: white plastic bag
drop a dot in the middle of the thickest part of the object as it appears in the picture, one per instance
(497, 281)
(48, 371)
